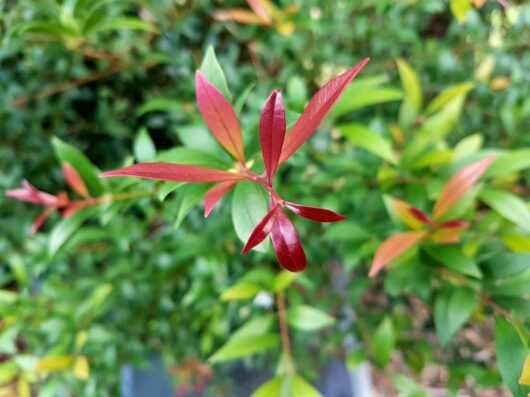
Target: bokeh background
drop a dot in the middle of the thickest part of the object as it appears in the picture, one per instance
(112, 79)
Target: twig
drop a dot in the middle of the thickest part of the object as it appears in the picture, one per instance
(284, 329)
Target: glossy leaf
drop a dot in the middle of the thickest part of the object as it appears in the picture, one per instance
(300, 387)
(144, 148)
(74, 180)
(256, 326)
(392, 247)
(68, 153)
(261, 231)
(270, 388)
(307, 318)
(272, 132)
(454, 259)
(369, 140)
(459, 184)
(383, 342)
(419, 215)
(174, 173)
(240, 291)
(286, 243)
(249, 207)
(508, 205)
(219, 116)
(511, 354)
(314, 213)
(317, 109)
(65, 228)
(215, 194)
(243, 346)
(451, 311)
(447, 95)
(212, 70)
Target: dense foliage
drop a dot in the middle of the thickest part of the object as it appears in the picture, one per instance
(136, 269)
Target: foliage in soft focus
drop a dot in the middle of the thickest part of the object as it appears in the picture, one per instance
(125, 268)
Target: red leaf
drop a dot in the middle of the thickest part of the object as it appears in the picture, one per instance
(314, 213)
(456, 224)
(219, 116)
(30, 194)
(262, 230)
(75, 181)
(392, 247)
(272, 132)
(174, 173)
(317, 109)
(216, 193)
(419, 215)
(459, 184)
(73, 207)
(40, 220)
(286, 244)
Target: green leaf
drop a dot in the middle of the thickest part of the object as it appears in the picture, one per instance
(517, 243)
(300, 387)
(506, 265)
(66, 227)
(144, 148)
(245, 346)
(383, 342)
(189, 196)
(454, 259)
(296, 93)
(307, 318)
(240, 291)
(241, 100)
(412, 104)
(508, 205)
(508, 163)
(468, 146)
(8, 372)
(451, 310)
(283, 280)
(249, 206)
(369, 140)
(460, 9)
(407, 387)
(448, 95)
(513, 286)
(123, 23)
(167, 188)
(211, 68)
(511, 354)
(364, 92)
(68, 153)
(159, 104)
(346, 231)
(257, 326)
(271, 388)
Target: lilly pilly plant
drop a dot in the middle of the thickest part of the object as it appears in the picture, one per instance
(434, 228)
(276, 149)
(60, 202)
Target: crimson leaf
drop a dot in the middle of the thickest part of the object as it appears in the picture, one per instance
(216, 193)
(262, 230)
(286, 244)
(272, 132)
(314, 213)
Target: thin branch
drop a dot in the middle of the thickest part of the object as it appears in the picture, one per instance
(284, 329)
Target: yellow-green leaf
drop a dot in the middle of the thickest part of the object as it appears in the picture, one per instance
(525, 375)
(240, 291)
(81, 368)
(460, 9)
(54, 364)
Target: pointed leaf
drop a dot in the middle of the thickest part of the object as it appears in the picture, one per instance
(455, 224)
(144, 149)
(174, 173)
(524, 379)
(37, 223)
(244, 346)
(188, 197)
(300, 387)
(401, 210)
(369, 140)
(212, 70)
(238, 15)
(215, 194)
(261, 231)
(64, 229)
(511, 354)
(314, 213)
(249, 206)
(219, 116)
(383, 342)
(451, 311)
(270, 388)
(317, 109)
(508, 205)
(411, 84)
(459, 184)
(455, 259)
(74, 180)
(272, 132)
(240, 291)
(286, 244)
(307, 318)
(419, 215)
(392, 247)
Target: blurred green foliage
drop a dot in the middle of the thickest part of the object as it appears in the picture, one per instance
(115, 81)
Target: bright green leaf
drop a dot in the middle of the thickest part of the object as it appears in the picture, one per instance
(240, 291)
(283, 280)
(454, 259)
(245, 346)
(451, 311)
(212, 70)
(63, 230)
(144, 148)
(383, 342)
(508, 205)
(307, 318)
(369, 140)
(188, 197)
(460, 9)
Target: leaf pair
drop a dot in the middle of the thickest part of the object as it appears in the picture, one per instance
(276, 148)
(439, 231)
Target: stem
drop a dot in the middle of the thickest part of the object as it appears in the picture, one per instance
(284, 329)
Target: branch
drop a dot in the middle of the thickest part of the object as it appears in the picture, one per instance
(284, 329)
